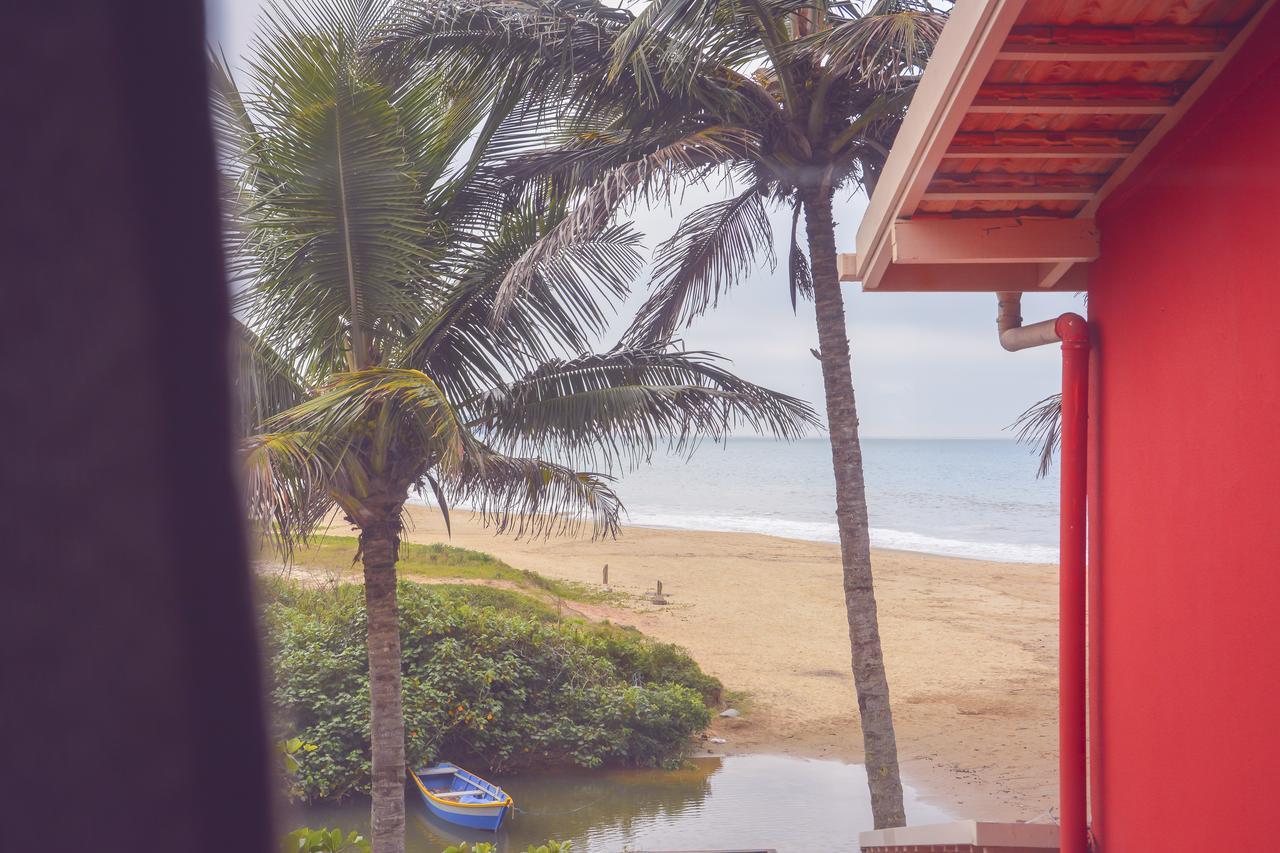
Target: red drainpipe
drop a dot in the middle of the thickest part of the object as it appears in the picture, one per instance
(1073, 332)
(1072, 737)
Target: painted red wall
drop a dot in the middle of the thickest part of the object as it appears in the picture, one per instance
(1185, 300)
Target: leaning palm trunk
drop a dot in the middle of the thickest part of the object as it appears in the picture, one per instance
(878, 739)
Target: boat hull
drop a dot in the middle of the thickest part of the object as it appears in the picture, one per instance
(438, 785)
(488, 818)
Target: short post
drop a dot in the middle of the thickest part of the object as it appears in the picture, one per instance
(606, 575)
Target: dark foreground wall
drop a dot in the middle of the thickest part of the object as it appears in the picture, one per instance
(130, 715)
(1186, 305)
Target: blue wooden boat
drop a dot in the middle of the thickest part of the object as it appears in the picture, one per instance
(463, 798)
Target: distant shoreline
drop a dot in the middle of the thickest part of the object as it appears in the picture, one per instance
(974, 498)
(970, 647)
(882, 539)
(902, 541)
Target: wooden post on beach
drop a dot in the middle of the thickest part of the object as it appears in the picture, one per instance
(606, 575)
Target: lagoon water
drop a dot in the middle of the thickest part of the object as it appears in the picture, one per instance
(736, 802)
(959, 497)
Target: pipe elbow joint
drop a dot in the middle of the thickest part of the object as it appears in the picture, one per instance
(1072, 329)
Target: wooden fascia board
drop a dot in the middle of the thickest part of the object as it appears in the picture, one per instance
(995, 241)
(847, 266)
(969, 43)
(977, 278)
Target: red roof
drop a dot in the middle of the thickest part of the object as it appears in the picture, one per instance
(1035, 110)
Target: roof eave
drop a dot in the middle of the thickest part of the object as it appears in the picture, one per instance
(972, 37)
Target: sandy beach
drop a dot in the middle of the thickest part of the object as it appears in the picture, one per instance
(970, 648)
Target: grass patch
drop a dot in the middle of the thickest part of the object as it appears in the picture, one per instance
(337, 554)
(739, 699)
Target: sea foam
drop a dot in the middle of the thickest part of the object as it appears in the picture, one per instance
(881, 537)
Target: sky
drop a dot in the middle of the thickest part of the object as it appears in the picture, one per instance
(925, 365)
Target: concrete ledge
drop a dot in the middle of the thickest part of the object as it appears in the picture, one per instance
(962, 836)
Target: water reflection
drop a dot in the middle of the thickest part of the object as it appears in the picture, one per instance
(607, 805)
(743, 801)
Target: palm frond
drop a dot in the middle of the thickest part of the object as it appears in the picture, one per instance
(563, 305)
(361, 442)
(234, 126)
(883, 42)
(378, 407)
(663, 30)
(532, 497)
(1041, 426)
(289, 481)
(799, 276)
(710, 250)
(562, 52)
(264, 382)
(655, 172)
(546, 44)
(336, 238)
(619, 406)
(677, 45)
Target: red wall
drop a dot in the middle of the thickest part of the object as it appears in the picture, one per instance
(1186, 305)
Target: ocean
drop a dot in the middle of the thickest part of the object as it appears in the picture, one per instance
(957, 497)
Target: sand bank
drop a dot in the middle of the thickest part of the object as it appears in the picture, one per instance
(970, 648)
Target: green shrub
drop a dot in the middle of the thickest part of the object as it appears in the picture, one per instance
(508, 601)
(645, 662)
(323, 841)
(486, 847)
(503, 687)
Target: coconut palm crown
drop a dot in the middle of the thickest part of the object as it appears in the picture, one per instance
(381, 353)
(786, 101)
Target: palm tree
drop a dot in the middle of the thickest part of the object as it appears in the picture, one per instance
(791, 100)
(370, 247)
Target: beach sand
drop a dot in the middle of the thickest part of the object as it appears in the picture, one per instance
(970, 648)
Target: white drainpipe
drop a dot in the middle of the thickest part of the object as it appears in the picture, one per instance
(1015, 336)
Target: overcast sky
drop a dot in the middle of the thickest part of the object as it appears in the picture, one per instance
(924, 364)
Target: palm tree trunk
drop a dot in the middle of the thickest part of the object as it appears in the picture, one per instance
(879, 743)
(379, 545)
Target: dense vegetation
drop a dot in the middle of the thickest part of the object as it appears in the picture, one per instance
(491, 678)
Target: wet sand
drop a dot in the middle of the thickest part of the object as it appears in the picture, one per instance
(970, 648)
